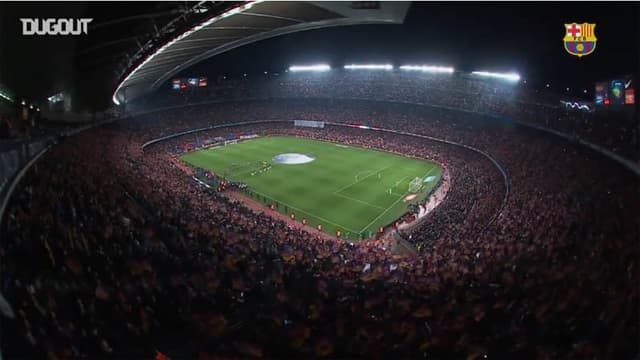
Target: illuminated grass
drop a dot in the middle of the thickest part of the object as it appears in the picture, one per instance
(350, 189)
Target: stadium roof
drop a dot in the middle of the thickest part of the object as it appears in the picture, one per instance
(250, 22)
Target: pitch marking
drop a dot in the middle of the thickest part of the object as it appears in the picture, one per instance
(357, 181)
(392, 205)
(360, 201)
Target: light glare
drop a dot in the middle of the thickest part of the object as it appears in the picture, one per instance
(369, 67)
(318, 67)
(504, 76)
(6, 97)
(428, 68)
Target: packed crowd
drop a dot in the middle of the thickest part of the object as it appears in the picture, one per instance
(6, 126)
(614, 130)
(112, 251)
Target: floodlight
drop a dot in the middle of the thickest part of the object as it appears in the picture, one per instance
(369, 67)
(6, 97)
(317, 68)
(504, 76)
(428, 68)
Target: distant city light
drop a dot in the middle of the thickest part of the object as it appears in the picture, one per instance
(585, 91)
(567, 89)
(428, 68)
(548, 85)
(504, 76)
(265, 73)
(23, 103)
(31, 107)
(317, 68)
(369, 67)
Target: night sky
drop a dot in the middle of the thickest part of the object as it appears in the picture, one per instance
(525, 38)
(472, 36)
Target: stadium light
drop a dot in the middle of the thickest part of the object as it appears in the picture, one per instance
(316, 68)
(161, 49)
(428, 68)
(6, 97)
(504, 76)
(369, 67)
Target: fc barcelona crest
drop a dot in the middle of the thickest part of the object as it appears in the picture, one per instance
(580, 39)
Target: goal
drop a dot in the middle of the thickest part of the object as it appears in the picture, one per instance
(415, 185)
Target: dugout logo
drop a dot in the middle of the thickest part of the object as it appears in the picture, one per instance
(580, 39)
(31, 27)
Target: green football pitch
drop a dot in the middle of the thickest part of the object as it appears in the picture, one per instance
(351, 189)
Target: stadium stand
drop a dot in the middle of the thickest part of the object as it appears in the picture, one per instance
(114, 252)
(614, 131)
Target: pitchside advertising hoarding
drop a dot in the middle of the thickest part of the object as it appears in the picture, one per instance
(309, 123)
(615, 92)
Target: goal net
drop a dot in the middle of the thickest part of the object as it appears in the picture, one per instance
(415, 185)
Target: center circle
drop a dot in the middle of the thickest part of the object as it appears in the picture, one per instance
(292, 159)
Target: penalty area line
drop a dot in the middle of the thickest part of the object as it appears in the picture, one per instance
(392, 205)
(357, 181)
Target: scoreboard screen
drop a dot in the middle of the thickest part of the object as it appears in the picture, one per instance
(615, 92)
(602, 92)
(629, 91)
(184, 83)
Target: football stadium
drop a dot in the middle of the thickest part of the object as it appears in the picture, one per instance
(302, 180)
(337, 189)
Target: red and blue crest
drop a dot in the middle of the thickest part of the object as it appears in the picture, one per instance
(580, 39)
